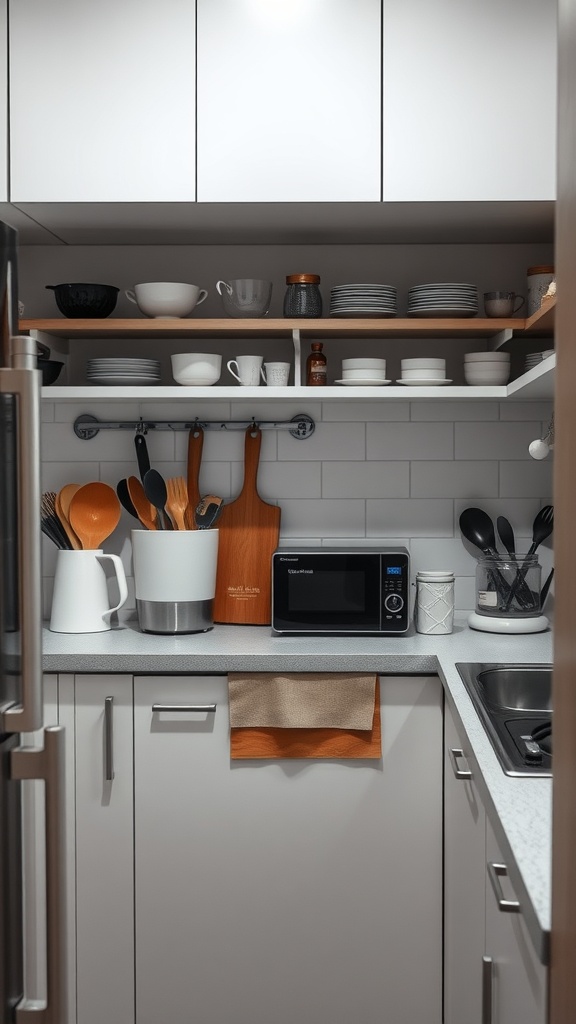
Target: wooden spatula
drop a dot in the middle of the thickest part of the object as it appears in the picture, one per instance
(144, 509)
(249, 531)
(195, 445)
(177, 501)
(62, 507)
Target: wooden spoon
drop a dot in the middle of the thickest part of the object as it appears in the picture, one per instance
(62, 509)
(177, 501)
(144, 509)
(94, 513)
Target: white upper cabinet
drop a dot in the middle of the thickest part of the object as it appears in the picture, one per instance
(289, 101)
(102, 101)
(469, 100)
(3, 103)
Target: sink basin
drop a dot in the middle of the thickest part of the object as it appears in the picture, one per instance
(513, 703)
(517, 688)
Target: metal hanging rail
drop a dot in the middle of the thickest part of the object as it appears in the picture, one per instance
(86, 427)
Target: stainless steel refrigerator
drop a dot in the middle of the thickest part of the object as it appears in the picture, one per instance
(21, 704)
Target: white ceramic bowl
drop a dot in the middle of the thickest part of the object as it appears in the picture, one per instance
(166, 299)
(487, 357)
(489, 377)
(367, 374)
(423, 363)
(362, 363)
(426, 373)
(196, 368)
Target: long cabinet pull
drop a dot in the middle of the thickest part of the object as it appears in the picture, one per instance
(24, 383)
(109, 739)
(454, 753)
(158, 708)
(48, 764)
(487, 976)
(495, 873)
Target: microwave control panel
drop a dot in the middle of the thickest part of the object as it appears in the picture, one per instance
(395, 582)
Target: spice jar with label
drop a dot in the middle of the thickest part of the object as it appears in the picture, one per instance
(303, 298)
(316, 366)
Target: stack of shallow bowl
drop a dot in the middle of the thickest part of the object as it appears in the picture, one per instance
(423, 371)
(487, 368)
(363, 371)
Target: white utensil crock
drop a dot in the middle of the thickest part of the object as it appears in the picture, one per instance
(80, 603)
(175, 579)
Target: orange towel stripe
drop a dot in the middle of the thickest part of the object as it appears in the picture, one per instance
(273, 744)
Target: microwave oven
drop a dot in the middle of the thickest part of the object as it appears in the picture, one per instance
(340, 591)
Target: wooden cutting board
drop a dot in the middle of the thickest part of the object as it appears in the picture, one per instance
(195, 444)
(249, 532)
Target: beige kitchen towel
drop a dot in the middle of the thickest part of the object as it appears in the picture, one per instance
(302, 700)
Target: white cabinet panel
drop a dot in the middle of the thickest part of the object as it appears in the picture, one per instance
(104, 851)
(469, 100)
(464, 884)
(285, 891)
(519, 980)
(102, 101)
(289, 101)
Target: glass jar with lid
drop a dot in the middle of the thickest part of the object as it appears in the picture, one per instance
(303, 298)
(508, 587)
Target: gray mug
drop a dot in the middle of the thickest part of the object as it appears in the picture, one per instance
(502, 304)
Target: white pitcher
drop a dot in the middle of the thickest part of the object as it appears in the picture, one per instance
(81, 603)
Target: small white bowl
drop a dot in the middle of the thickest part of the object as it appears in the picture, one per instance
(364, 374)
(423, 363)
(363, 363)
(426, 373)
(487, 357)
(201, 368)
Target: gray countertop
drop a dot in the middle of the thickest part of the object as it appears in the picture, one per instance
(519, 809)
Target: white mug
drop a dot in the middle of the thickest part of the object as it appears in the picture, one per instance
(80, 603)
(248, 368)
(276, 374)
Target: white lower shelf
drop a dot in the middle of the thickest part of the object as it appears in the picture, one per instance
(537, 384)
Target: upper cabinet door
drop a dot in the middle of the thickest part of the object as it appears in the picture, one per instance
(289, 101)
(102, 100)
(469, 100)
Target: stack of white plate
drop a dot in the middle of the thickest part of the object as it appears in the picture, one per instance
(443, 300)
(363, 300)
(536, 357)
(123, 371)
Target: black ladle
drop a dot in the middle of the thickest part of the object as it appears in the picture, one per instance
(125, 499)
(541, 529)
(157, 494)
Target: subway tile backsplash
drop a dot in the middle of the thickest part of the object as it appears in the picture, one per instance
(390, 472)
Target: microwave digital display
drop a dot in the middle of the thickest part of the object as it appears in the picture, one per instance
(393, 570)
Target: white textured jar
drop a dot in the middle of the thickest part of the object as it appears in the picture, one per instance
(434, 611)
(538, 280)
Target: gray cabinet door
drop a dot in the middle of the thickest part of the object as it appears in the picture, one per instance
(285, 891)
(519, 980)
(464, 883)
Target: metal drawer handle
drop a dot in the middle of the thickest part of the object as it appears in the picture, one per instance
(454, 754)
(495, 873)
(487, 977)
(109, 739)
(159, 708)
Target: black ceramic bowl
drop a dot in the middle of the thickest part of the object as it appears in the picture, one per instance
(50, 370)
(85, 301)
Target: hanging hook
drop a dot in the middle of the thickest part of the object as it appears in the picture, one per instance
(141, 427)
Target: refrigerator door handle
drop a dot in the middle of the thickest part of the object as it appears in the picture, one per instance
(23, 381)
(48, 764)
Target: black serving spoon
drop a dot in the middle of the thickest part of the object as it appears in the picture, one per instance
(142, 455)
(506, 534)
(125, 499)
(156, 492)
(477, 527)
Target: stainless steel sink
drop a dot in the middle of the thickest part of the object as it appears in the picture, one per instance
(514, 702)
